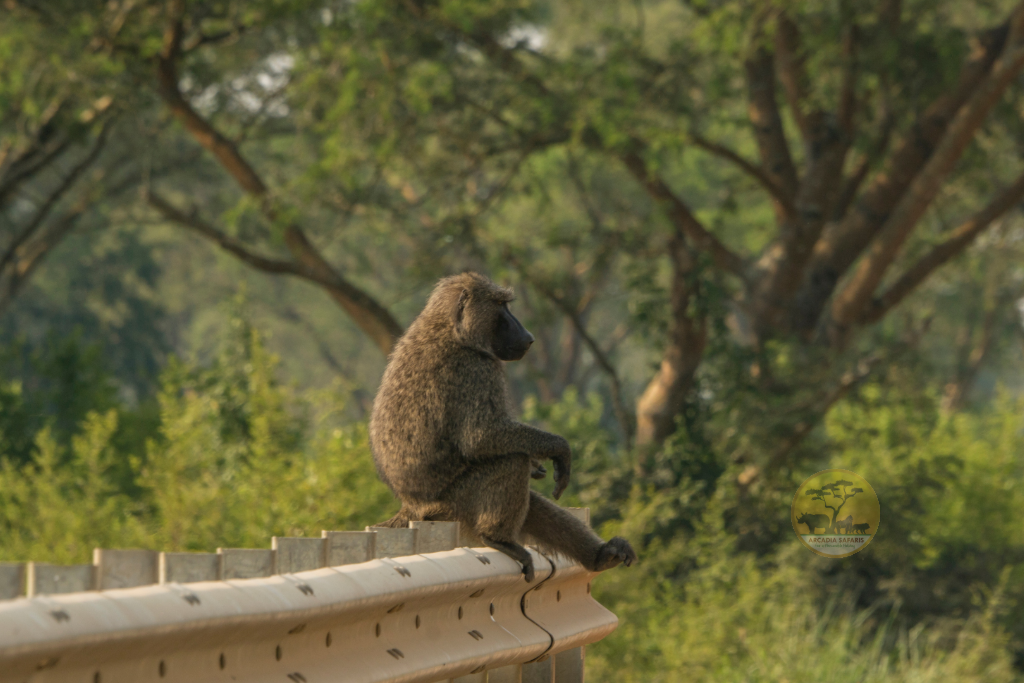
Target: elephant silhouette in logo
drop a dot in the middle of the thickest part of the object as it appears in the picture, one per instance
(861, 528)
(813, 522)
(844, 524)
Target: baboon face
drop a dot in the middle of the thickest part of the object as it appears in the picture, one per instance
(482, 318)
(511, 339)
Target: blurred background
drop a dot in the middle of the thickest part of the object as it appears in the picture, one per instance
(754, 240)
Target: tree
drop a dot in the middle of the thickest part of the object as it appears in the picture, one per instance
(833, 132)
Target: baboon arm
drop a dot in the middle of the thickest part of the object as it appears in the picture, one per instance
(514, 437)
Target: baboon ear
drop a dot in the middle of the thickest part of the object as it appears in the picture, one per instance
(460, 307)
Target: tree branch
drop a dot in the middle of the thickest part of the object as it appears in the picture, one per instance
(48, 205)
(853, 182)
(957, 241)
(841, 243)
(847, 382)
(955, 392)
(851, 302)
(683, 219)
(205, 134)
(366, 312)
(29, 163)
(764, 117)
(847, 90)
(225, 242)
(777, 193)
(618, 406)
(670, 390)
(792, 71)
(31, 254)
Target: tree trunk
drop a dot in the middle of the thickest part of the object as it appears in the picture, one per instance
(667, 395)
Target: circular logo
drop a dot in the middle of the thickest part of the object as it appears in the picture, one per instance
(835, 513)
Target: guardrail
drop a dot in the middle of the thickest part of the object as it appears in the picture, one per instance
(306, 610)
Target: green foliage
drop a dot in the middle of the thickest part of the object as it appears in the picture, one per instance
(54, 384)
(234, 459)
(947, 604)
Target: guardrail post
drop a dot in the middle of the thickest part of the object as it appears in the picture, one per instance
(434, 537)
(245, 563)
(394, 542)
(50, 579)
(187, 567)
(296, 554)
(540, 672)
(12, 579)
(569, 666)
(506, 674)
(348, 547)
(124, 568)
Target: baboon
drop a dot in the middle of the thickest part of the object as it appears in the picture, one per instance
(445, 443)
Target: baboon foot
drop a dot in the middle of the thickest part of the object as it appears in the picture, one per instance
(539, 472)
(399, 521)
(528, 570)
(516, 552)
(613, 552)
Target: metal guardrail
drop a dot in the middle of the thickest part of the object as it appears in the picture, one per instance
(419, 612)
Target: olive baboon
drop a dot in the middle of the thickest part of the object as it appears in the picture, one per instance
(844, 524)
(444, 442)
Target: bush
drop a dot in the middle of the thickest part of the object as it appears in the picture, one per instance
(235, 459)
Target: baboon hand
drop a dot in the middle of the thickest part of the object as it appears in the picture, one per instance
(562, 468)
(538, 471)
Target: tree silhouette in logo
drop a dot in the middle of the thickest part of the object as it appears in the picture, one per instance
(837, 495)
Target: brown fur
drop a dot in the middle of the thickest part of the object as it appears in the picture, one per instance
(443, 439)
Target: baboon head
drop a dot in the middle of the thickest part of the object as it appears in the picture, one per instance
(481, 318)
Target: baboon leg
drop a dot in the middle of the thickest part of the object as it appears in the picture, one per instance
(491, 499)
(556, 530)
